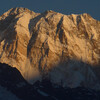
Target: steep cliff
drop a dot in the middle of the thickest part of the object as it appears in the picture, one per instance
(52, 45)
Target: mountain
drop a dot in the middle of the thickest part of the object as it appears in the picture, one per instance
(14, 87)
(6, 95)
(62, 48)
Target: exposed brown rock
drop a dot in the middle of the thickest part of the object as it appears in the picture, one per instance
(37, 43)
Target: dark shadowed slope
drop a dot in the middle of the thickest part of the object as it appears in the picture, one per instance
(11, 79)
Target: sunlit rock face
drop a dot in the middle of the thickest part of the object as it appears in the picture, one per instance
(52, 44)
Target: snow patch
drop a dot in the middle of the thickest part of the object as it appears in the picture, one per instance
(7, 95)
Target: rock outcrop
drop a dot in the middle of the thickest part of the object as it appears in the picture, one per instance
(52, 44)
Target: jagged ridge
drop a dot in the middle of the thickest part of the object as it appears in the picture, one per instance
(37, 43)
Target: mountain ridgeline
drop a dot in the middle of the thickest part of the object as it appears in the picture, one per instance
(62, 48)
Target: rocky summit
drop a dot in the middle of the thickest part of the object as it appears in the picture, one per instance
(62, 48)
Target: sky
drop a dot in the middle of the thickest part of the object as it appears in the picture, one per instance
(67, 7)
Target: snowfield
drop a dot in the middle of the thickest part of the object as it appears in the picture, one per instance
(7, 95)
